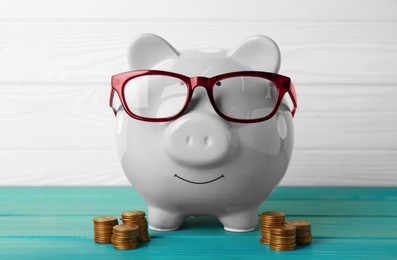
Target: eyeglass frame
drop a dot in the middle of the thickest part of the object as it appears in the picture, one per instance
(282, 83)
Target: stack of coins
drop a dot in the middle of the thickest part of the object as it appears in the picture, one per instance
(125, 237)
(303, 231)
(103, 228)
(267, 220)
(283, 238)
(137, 217)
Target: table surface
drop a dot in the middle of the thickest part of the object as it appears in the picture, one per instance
(56, 223)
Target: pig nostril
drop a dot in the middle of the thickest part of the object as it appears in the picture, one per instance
(189, 140)
(207, 141)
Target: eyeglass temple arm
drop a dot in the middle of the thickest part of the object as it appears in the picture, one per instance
(112, 90)
(293, 96)
(115, 81)
(111, 100)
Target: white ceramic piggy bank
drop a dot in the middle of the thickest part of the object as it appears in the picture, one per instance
(194, 138)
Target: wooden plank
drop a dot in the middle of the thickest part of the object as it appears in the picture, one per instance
(292, 207)
(86, 52)
(202, 10)
(331, 208)
(56, 117)
(19, 194)
(59, 129)
(163, 247)
(75, 116)
(81, 226)
(85, 167)
(341, 168)
(346, 99)
(346, 131)
(324, 193)
(81, 167)
(112, 201)
(93, 98)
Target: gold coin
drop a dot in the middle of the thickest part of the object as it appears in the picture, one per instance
(129, 247)
(298, 223)
(102, 235)
(269, 221)
(283, 229)
(133, 231)
(103, 242)
(272, 214)
(126, 244)
(304, 238)
(303, 234)
(275, 241)
(133, 213)
(103, 230)
(143, 226)
(304, 242)
(126, 236)
(134, 220)
(104, 227)
(125, 228)
(123, 239)
(282, 242)
(263, 241)
(102, 219)
(280, 238)
(283, 248)
(99, 241)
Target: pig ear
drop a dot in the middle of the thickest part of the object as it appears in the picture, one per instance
(146, 50)
(258, 53)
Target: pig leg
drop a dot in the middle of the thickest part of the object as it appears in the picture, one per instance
(163, 220)
(242, 221)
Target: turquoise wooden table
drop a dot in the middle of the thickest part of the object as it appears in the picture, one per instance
(56, 223)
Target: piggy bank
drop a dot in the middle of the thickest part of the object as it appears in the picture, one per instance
(203, 131)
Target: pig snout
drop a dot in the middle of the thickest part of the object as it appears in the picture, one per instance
(197, 139)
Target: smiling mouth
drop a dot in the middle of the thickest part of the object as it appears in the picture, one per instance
(195, 182)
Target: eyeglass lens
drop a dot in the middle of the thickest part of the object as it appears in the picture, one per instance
(155, 96)
(245, 97)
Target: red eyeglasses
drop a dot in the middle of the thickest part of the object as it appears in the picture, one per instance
(241, 97)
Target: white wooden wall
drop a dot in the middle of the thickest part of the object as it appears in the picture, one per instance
(56, 59)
